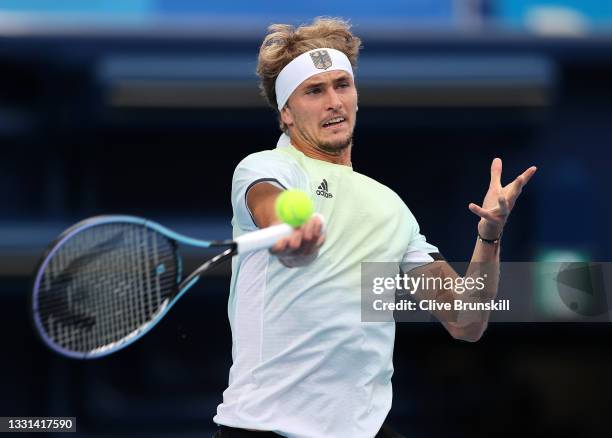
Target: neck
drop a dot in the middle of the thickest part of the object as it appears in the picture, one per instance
(341, 156)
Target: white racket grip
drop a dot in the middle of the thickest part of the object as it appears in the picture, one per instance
(266, 237)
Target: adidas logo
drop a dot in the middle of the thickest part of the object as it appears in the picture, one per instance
(323, 190)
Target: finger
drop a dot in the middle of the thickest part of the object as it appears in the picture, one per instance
(308, 248)
(516, 187)
(501, 209)
(526, 175)
(321, 221)
(315, 223)
(295, 240)
(503, 205)
(280, 246)
(307, 230)
(496, 171)
(521, 180)
(481, 212)
(317, 231)
(315, 247)
(309, 244)
(319, 225)
(321, 241)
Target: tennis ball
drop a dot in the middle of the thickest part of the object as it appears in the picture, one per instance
(294, 207)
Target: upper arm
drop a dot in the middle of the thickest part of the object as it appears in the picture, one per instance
(261, 199)
(419, 251)
(256, 182)
(441, 271)
(423, 260)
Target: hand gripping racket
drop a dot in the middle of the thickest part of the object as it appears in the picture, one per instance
(106, 281)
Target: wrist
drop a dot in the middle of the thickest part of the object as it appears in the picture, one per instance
(489, 241)
(489, 232)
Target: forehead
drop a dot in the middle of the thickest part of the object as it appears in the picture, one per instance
(325, 77)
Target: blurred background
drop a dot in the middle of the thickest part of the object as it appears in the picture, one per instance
(145, 107)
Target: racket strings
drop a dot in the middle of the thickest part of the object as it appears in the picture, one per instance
(104, 284)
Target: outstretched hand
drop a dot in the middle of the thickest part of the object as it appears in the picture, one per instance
(499, 201)
(302, 246)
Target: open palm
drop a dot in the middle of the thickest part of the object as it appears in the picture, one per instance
(499, 200)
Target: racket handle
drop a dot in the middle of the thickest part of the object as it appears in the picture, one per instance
(265, 238)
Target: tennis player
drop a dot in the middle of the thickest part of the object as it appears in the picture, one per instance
(304, 365)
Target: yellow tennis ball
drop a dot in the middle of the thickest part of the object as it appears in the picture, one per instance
(294, 207)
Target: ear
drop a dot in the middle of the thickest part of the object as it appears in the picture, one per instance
(286, 116)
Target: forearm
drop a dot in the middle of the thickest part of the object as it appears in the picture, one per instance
(483, 269)
(485, 264)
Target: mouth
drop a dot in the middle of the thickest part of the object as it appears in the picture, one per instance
(334, 122)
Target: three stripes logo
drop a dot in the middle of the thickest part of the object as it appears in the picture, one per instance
(323, 190)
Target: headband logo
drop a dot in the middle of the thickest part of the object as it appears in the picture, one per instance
(321, 59)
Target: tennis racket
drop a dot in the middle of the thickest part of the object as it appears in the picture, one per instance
(108, 280)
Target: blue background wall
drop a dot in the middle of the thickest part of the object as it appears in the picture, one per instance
(146, 107)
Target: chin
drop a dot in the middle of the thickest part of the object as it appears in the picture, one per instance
(336, 146)
(336, 141)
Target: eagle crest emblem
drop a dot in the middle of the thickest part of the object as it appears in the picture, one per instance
(321, 59)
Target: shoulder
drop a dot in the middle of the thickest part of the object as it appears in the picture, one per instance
(269, 165)
(267, 158)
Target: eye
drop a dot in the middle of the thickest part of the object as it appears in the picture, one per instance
(315, 90)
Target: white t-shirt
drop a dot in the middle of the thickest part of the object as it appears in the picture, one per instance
(304, 365)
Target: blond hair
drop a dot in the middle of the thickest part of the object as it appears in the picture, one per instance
(284, 42)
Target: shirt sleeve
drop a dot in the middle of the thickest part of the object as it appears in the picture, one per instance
(256, 168)
(419, 252)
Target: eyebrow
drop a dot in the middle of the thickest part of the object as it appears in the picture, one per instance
(344, 77)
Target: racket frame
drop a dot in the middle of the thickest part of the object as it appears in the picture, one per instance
(181, 286)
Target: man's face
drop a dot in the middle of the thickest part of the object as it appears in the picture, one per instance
(321, 112)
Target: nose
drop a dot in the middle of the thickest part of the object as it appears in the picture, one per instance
(333, 100)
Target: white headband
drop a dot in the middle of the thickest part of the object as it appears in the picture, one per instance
(306, 65)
